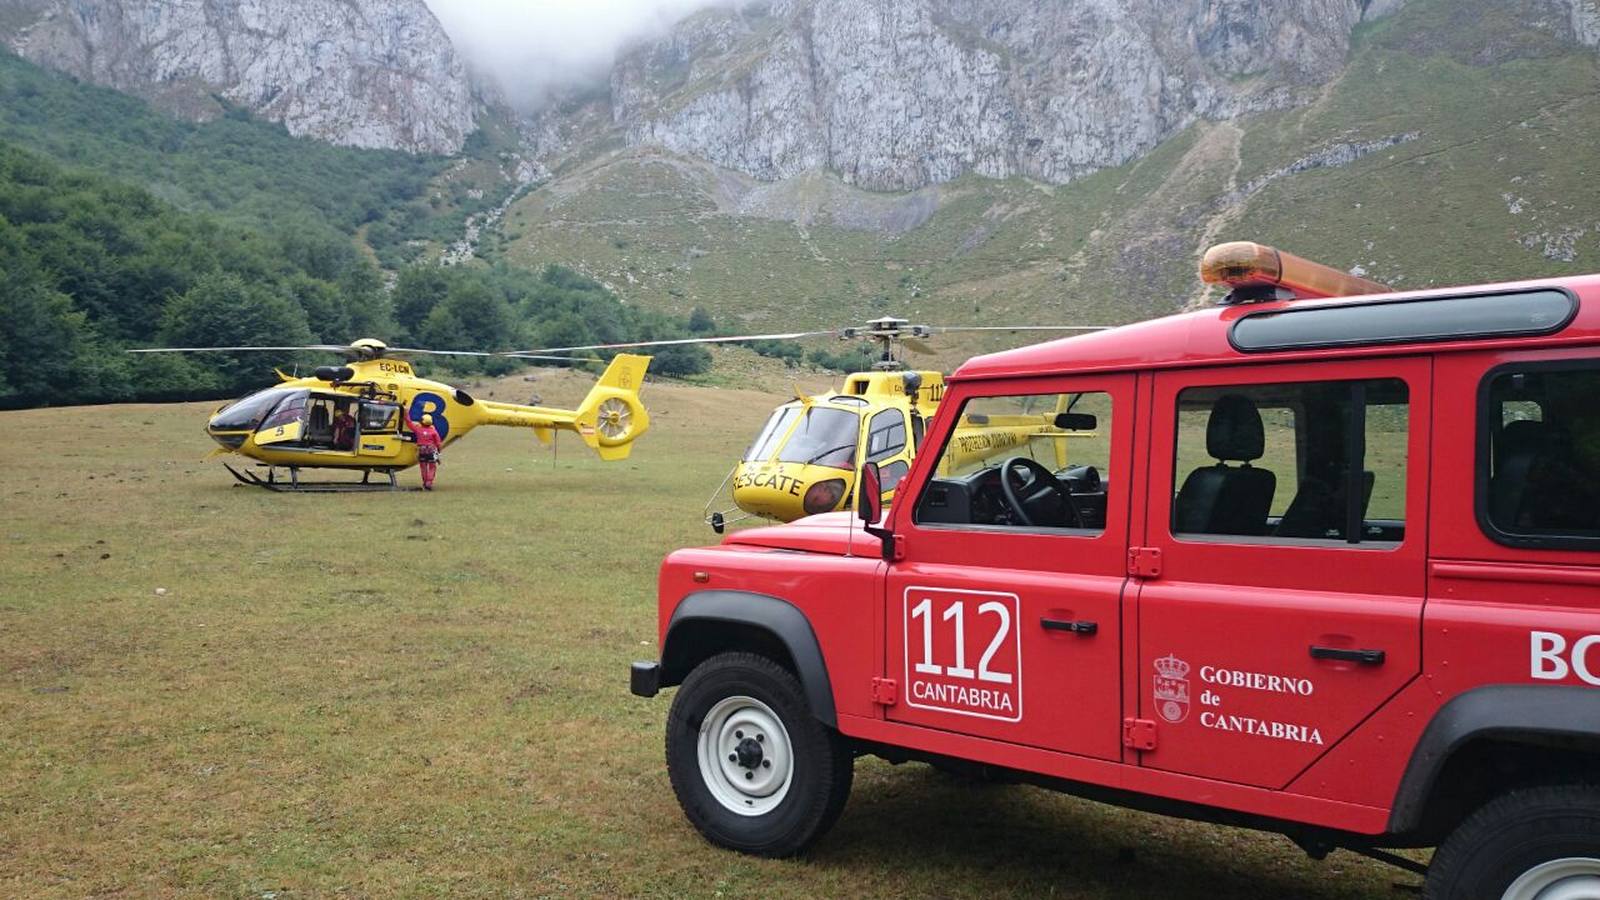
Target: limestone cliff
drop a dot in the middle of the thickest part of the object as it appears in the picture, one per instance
(897, 94)
(364, 73)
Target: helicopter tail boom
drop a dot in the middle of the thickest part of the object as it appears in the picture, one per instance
(610, 418)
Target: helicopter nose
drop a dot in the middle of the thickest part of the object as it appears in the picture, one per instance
(771, 491)
(228, 439)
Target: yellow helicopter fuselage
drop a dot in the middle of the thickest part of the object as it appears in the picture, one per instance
(806, 459)
(351, 417)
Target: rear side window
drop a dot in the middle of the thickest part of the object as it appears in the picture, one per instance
(1294, 462)
(1539, 455)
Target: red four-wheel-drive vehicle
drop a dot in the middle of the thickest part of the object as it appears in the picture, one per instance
(1324, 567)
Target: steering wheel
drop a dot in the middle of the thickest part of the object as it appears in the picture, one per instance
(1039, 476)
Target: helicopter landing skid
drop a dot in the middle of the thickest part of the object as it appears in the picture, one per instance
(295, 486)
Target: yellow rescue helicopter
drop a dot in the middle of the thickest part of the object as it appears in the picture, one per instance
(353, 417)
(806, 458)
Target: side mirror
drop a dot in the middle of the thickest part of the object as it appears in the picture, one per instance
(869, 494)
(1077, 422)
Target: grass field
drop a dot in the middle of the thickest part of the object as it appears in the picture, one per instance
(211, 691)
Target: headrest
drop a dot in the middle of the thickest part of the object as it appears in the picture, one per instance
(1235, 432)
(1521, 436)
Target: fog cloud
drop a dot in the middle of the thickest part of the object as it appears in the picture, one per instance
(536, 47)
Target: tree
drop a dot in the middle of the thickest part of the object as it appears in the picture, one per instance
(222, 311)
(700, 321)
(417, 291)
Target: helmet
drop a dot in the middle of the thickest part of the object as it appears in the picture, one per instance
(427, 418)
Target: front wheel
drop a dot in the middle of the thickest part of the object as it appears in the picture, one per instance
(753, 770)
(1538, 843)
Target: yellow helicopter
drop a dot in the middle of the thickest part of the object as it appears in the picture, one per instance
(806, 458)
(352, 417)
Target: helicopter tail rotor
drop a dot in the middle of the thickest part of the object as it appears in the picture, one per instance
(612, 416)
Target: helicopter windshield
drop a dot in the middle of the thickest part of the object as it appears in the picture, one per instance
(824, 437)
(767, 441)
(246, 414)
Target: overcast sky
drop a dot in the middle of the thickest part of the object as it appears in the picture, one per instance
(534, 45)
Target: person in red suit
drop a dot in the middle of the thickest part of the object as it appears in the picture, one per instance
(344, 429)
(428, 446)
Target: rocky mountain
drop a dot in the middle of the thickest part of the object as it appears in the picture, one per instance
(362, 73)
(898, 94)
(804, 163)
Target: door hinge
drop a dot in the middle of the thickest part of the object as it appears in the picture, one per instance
(894, 547)
(885, 692)
(1140, 734)
(1144, 562)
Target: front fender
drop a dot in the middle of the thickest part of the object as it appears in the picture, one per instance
(709, 622)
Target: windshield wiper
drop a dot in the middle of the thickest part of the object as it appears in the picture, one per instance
(828, 452)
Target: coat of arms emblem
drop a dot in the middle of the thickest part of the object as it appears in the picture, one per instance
(1172, 688)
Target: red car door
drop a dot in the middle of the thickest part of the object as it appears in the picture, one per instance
(1005, 628)
(1283, 559)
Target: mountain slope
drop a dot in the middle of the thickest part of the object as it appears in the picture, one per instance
(1455, 145)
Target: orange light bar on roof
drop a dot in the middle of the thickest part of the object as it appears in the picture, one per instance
(1248, 268)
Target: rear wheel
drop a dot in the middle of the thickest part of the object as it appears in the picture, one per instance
(753, 769)
(1538, 843)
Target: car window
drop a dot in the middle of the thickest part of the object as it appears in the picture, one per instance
(1025, 461)
(1539, 440)
(1304, 461)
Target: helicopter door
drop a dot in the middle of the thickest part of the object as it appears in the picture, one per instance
(379, 435)
(886, 446)
(287, 422)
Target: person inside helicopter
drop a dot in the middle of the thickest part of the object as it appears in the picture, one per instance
(344, 427)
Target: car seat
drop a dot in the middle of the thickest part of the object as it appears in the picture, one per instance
(1224, 499)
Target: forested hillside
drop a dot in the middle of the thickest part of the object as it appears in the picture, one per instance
(244, 169)
(121, 226)
(93, 266)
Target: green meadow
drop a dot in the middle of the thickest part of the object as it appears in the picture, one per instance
(214, 691)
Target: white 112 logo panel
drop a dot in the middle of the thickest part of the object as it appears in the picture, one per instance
(963, 652)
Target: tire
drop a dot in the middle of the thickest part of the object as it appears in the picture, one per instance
(1536, 842)
(753, 769)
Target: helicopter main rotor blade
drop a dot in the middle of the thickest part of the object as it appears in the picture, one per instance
(416, 351)
(331, 348)
(570, 359)
(730, 339)
(916, 346)
(946, 329)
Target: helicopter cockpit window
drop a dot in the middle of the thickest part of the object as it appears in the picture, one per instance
(886, 435)
(767, 442)
(290, 409)
(247, 413)
(823, 437)
(379, 418)
(1035, 461)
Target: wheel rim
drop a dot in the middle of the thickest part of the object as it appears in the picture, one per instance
(746, 758)
(1575, 878)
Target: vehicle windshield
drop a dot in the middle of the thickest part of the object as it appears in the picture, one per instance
(824, 437)
(767, 441)
(246, 414)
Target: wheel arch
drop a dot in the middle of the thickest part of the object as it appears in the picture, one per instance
(1488, 740)
(706, 623)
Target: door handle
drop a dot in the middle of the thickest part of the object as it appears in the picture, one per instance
(1364, 657)
(1079, 627)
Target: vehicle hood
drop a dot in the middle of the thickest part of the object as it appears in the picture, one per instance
(837, 533)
